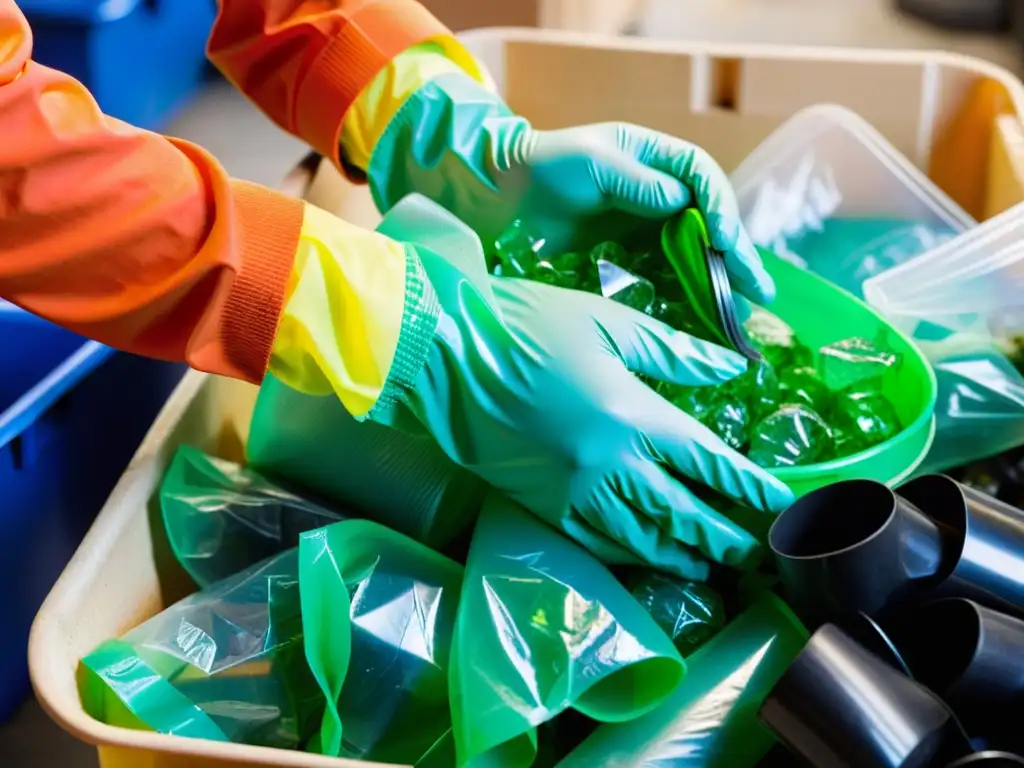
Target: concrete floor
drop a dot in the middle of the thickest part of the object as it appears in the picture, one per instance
(253, 148)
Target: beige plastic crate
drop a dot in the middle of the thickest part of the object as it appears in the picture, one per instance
(726, 98)
(600, 16)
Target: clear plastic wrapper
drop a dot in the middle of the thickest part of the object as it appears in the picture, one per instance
(963, 305)
(542, 627)
(225, 664)
(221, 517)
(379, 609)
(828, 192)
(710, 721)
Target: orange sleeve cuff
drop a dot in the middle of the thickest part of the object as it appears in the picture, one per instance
(267, 229)
(371, 38)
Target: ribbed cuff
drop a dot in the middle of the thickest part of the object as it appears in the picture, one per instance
(419, 324)
(269, 224)
(372, 37)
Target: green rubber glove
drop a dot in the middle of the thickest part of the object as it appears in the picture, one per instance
(459, 144)
(529, 387)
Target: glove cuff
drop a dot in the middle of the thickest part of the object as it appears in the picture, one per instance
(443, 135)
(419, 323)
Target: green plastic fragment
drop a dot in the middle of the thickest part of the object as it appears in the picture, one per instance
(691, 613)
(542, 626)
(801, 386)
(793, 436)
(855, 362)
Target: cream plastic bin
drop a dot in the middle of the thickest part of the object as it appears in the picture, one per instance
(725, 98)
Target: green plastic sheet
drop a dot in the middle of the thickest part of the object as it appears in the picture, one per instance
(402, 480)
(379, 610)
(226, 664)
(543, 626)
(221, 517)
(710, 721)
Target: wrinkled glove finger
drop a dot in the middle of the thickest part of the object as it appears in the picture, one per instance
(692, 450)
(598, 544)
(637, 189)
(714, 197)
(650, 544)
(688, 519)
(652, 348)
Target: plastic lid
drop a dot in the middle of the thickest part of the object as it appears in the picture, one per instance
(975, 277)
(826, 162)
(701, 271)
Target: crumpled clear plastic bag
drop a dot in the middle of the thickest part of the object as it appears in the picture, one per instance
(401, 480)
(543, 626)
(711, 720)
(379, 609)
(221, 517)
(963, 304)
(226, 664)
(828, 192)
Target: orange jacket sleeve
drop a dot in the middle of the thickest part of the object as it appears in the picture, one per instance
(144, 242)
(305, 63)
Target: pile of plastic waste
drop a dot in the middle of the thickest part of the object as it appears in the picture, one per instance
(361, 596)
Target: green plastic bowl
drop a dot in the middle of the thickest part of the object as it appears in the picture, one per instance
(822, 313)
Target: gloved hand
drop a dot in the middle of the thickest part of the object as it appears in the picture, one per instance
(530, 387)
(459, 144)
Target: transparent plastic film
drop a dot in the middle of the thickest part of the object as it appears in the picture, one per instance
(710, 721)
(829, 193)
(221, 517)
(225, 663)
(379, 610)
(542, 627)
(963, 304)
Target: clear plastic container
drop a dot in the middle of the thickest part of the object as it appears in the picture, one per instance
(963, 305)
(828, 192)
(973, 283)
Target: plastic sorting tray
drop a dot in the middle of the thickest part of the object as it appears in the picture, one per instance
(973, 283)
(827, 181)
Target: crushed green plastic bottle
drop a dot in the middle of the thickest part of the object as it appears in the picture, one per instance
(691, 613)
(566, 270)
(793, 436)
(776, 340)
(801, 386)
(855, 362)
(867, 415)
(516, 251)
(625, 287)
(730, 420)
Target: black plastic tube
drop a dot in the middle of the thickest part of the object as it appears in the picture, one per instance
(866, 631)
(853, 546)
(839, 705)
(984, 542)
(972, 657)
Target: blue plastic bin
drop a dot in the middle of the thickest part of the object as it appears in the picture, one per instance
(142, 59)
(72, 414)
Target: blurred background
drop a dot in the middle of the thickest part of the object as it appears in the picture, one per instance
(144, 61)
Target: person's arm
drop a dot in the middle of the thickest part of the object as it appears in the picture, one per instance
(145, 243)
(334, 76)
